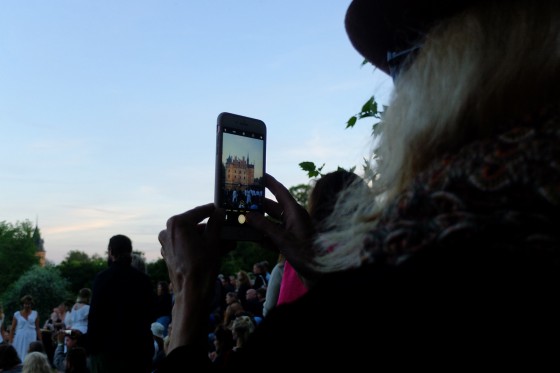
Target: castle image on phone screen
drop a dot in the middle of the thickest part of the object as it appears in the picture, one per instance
(242, 170)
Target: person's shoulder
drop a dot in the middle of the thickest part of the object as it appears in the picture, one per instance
(138, 274)
(102, 273)
(140, 278)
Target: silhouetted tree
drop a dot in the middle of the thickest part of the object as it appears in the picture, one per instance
(17, 251)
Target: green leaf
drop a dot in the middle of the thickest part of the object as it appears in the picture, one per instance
(307, 166)
(366, 115)
(311, 169)
(351, 122)
(367, 106)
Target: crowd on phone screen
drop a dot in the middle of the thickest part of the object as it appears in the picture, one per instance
(244, 198)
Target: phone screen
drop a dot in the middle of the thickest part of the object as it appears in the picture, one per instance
(240, 174)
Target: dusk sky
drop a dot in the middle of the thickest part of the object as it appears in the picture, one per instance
(108, 108)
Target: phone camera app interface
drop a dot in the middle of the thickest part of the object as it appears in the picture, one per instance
(242, 172)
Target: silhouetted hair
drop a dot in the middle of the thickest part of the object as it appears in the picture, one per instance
(261, 292)
(76, 360)
(37, 346)
(120, 247)
(36, 362)
(232, 294)
(323, 197)
(26, 298)
(243, 326)
(84, 295)
(8, 356)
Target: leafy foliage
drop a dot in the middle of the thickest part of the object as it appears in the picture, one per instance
(157, 270)
(311, 169)
(17, 251)
(370, 109)
(244, 256)
(301, 193)
(51, 285)
(45, 284)
(79, 269)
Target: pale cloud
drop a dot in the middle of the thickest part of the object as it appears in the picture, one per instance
(125, 154)
(82, 226)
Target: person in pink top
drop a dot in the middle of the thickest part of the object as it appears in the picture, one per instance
(321, 203)
(291, 287)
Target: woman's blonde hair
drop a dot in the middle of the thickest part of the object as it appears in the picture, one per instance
(243, 326)
(476, 75)
(36, 362)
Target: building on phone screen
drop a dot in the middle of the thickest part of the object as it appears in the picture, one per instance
(240, 173)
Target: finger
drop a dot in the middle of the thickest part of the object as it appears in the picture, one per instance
(273, 230)
(193, 216)
(212, 230)
(281, 193)
(162, 237)
(187, 221)
(273, 208)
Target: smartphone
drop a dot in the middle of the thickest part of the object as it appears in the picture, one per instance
(240, 168)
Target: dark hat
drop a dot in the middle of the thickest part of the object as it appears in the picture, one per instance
(376, 27)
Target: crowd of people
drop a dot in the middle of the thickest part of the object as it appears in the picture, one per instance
(449, 257)
(107, 328)
(445, 255)
(56, 347)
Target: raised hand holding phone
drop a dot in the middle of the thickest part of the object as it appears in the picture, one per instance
(240, 169)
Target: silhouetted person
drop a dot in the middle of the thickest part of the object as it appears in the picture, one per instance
(121, 312)
(9, 359)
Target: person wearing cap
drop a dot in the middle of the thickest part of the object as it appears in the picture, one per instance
(451, 259)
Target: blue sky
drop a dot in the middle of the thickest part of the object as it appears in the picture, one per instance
(108, 108)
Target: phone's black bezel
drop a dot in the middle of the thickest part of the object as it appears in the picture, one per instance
(231, 229)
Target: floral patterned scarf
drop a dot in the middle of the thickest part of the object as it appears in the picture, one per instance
(501, 193)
